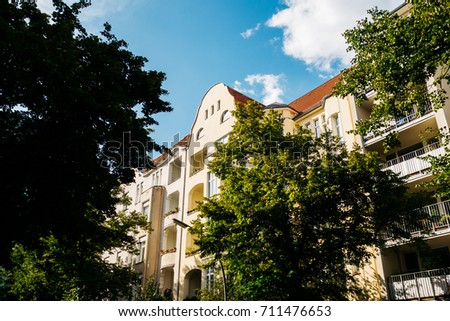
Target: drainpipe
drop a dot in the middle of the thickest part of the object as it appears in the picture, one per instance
(182, 218)
(376, 273)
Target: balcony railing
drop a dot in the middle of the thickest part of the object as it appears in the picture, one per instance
(420, 285)
(439, 218)
(400, 121)
(437, 222)
(410, 163)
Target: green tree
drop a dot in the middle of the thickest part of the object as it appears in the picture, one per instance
(294, 212)
(151, 291)
(405, 59)
(440, 169)
(75, 117)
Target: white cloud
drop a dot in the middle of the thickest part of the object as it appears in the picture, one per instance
(250, 32)
(312, 29)
(268, 86)
(238, 87)
(45, 5)
(274, 40)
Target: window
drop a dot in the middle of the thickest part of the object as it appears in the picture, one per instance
(146, 210)
(212, 110)
(308, 126)
(173, 203)
(225, 116)
(210, 277)
(218, 105)
(157, 177)
(223, 140)
(141, 250)
(212, 184)
(197, 162)
(337, 125)
(317, 127)
(206, 114)
(175, 170)
(137, 195)
(200, 133)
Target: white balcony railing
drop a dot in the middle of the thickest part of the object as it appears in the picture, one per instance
(411, 163)
(437, 222)
(397, 123)
(420, 285)
(439, 218)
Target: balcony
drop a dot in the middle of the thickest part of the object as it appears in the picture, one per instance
(428, 284)
(168, 258)
(437, 223)
(400, 122)
(410, 164)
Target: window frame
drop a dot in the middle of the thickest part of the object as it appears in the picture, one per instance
(226, 114)
(200, 134)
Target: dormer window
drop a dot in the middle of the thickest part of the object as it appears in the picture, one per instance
(225, 116)
(200, 133)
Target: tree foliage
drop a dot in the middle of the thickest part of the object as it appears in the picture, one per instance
(440, 169)
(68, 99)
(405, 59)
(151, 291)
(294, 211)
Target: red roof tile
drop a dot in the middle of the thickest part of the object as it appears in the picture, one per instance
(184, 142)
(315, 96)
(160, 159)
(238, 96)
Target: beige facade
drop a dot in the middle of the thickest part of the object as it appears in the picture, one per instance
(168, 196)
(169, 193)
(400, 271)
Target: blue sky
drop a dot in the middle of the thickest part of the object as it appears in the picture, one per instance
(270, 50)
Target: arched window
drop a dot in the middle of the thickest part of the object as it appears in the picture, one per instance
(225, 116)
(200, 133)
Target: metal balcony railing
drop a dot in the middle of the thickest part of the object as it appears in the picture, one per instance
(420, 285)
(439, 218)
(400, 121)
(410, 163)
(413, 154)
(437, 222)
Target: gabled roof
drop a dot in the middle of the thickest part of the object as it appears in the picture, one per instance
(184, 142)
(315, 97)
(238, 96)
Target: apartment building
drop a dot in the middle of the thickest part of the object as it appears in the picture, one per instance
(168, 194)
(411, 272)
(401, 270)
